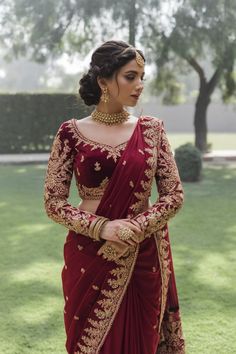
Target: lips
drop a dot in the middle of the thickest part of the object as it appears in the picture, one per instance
(135, 96)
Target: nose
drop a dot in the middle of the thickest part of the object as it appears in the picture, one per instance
(139, 85)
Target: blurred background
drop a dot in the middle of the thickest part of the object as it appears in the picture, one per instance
(190, 50)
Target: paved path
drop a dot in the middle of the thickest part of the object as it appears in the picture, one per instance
(216, 156)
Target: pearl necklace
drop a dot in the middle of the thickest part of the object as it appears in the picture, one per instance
(110, 118)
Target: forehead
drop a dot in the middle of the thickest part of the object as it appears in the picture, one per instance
(132, 66)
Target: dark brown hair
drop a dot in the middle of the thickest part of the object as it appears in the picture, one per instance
(105, 61)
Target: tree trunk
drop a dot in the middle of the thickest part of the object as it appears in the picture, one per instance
(132, 22)
(200, 120)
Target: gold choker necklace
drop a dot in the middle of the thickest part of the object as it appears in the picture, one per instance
(110, 118)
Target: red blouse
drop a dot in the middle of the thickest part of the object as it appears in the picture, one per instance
(94, 162)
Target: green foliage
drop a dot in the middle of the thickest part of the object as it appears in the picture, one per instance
(189, 161)
(28, 122)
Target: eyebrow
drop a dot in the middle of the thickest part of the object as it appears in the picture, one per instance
(134, 72)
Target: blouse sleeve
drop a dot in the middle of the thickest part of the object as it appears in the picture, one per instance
(171, 195)
(57, 185)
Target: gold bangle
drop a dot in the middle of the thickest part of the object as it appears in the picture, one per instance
(95, 227)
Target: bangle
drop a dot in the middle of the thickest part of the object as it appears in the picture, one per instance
(96, 226)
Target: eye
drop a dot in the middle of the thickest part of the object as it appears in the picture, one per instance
(130, 78)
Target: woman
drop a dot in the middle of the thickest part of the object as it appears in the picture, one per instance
(118, 278)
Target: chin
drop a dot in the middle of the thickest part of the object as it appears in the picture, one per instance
(133, 104)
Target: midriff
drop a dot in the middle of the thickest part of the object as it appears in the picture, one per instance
(91, 205)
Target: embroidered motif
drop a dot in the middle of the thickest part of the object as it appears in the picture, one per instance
(95, 287)
(131, 183)
(167, 179)
(97, 166)
(172, 340)
(93, 192)
(57, 185)
(106, 308)
(113, 152)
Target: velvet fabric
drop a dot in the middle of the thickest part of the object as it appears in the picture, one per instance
(120, 307)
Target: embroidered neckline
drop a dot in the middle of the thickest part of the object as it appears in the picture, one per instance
(102, 145)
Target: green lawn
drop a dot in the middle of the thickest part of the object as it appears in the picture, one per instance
(219, 141)
(203, 244)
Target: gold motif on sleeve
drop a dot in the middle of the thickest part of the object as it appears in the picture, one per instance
(93, 192)
(57, 185)
(167, 179)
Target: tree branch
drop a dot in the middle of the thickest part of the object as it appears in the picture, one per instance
(214, 80)
(192, 61)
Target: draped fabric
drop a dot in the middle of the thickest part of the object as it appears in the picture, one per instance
(129, 306)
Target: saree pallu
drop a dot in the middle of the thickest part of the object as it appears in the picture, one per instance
(129, 306)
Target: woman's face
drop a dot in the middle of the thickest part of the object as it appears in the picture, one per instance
(130, 84)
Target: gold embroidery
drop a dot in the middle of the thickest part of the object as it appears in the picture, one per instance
(80, 247)
(167, 180)
(124, 162)
(77, 170)
(131, 183)
(76, 317)
(93, 192)
(172, 340)
(97, 166)
(113, 152)
(82, 270)
(95, 287)
(57, 185)
(82, 158)
(94, 336)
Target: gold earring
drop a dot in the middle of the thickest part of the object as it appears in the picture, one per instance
(105, 95)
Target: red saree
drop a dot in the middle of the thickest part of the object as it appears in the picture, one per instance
(129, 306)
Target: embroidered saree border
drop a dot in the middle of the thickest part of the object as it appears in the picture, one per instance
(94, 336)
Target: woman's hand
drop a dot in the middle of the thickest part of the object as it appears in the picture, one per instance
(114, 248)
(111, 229)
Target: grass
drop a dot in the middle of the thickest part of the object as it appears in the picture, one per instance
(203, 245)
(218, 141)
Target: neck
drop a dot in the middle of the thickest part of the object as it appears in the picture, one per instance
(109, 108)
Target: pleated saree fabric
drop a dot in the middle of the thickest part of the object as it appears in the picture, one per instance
(129, 306)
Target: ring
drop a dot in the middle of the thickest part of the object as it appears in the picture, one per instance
(125, 233)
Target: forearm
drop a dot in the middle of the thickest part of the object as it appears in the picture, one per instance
(169, 188)
(155, 217)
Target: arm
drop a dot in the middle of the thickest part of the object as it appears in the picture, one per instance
(169, 188)
(57, 185)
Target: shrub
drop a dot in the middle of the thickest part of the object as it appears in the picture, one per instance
(189, 162)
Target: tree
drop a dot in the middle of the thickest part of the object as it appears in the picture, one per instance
(197, 27)
(177, 39)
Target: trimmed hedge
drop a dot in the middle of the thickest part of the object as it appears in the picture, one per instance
(189, 162)
(28, 122)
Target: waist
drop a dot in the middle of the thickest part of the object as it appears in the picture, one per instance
(91, 205)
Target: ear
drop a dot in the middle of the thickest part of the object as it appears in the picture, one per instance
(101, 82)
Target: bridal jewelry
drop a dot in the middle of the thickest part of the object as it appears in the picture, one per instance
(110, 118)
(105, 95)
(125, 233)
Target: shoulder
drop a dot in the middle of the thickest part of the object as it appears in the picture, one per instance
(153, 122)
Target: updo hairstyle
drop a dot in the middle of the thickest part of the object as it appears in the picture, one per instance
(105, 61)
